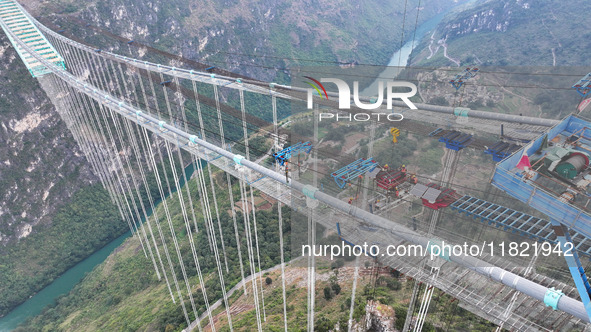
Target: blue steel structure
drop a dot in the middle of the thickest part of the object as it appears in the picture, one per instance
(458, 81)
(455, 140)
(353, 170)
(435, 132)
(516, 222)
(501, 150)
(564, 215)
(295, 149)
(583, 86)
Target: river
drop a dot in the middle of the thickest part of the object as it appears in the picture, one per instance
(62, 285)
(400, 58)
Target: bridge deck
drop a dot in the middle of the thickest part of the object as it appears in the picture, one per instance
(13, 17)
(515, 221)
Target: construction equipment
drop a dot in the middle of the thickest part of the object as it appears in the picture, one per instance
(583, 86)
(353, 170)
(395, 132)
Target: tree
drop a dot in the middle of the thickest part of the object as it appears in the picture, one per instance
(328, 293)
(393, 284)
(395, 273)
(323, 325)
(338, 263)
(336, 288)
(439, 100)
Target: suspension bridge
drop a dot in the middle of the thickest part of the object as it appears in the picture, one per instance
(130, 117)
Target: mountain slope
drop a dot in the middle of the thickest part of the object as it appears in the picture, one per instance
(510, 32)
(43, 177)
(529, 54)
(251, 36)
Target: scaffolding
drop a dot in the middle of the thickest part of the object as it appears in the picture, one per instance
(516, 222)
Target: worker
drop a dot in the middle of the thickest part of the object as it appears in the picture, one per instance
(413, 179)
(351, 200)
(397, 192)
(403, 169)
(287, 171)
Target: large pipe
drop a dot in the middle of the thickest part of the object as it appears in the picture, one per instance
(530, 288)
(459, 111)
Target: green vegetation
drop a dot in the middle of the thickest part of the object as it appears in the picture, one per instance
(430, 156)
(85, 224)
(332, 307)
(411, 151)
(537, 54)
(338, 133)
(258, 147)
(123, 293)
(395, 155)
(43, 183)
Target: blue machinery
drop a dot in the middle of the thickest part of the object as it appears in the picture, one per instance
(458, 81)
(455, 140)
(583, 86)
(435, 132)
(353, 170)
(564, 216)
(501, 150)
(295, 149)
(25, 30)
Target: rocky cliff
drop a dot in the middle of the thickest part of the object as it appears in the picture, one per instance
(40, 164)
